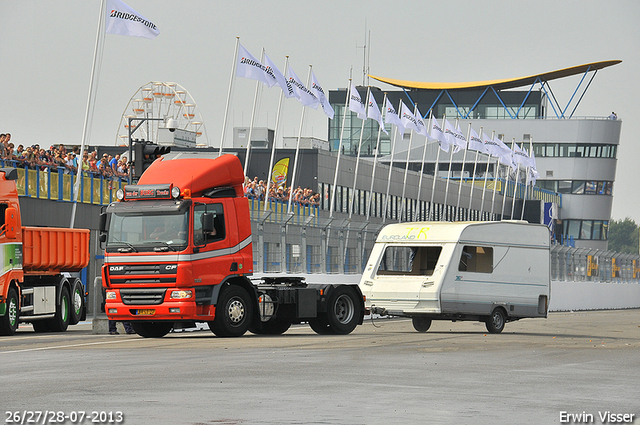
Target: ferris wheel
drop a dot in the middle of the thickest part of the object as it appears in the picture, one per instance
(161, 100)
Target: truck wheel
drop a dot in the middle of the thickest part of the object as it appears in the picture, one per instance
(495, 322)
(271, 327)
(421, 324)
(77, 302)
(40, 326)
(234, 313)
(9, 322)
(60, 321)
(152, 329)
(343, 310)
(320, 325)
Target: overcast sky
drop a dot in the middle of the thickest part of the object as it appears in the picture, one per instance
(46, 48)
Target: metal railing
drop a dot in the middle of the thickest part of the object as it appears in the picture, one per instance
(56, 183)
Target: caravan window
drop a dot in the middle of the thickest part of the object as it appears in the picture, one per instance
(477, 259)
(409, 260)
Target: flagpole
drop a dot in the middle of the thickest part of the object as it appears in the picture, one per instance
(506, 188)
(403, 201)
(424, 156)
(231, 80)
(526, 187)
(473, 180)
(435, 175)
(446, 189)
(393, 149)
(253, 114)
(335, 176)
(88, 115)
(515, 188)
(273, 146)
(295, 161)
(495, 180)
(464, 158)
(355, 174)
(375, 161)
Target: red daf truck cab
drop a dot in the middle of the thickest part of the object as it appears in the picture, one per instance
(178, 250)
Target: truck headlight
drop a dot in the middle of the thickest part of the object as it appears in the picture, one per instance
(180, 295)
(111, 295)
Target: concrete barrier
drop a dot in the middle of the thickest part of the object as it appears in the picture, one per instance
(571, 296)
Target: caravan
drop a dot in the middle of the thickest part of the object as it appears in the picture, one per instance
(493, 272)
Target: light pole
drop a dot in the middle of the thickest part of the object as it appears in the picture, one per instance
(170, 123)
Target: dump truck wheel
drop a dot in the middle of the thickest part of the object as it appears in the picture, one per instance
(40, 326)
(495, 323)
(343, 310)
(9, 322)
(234, 313)
(77, 302)
(421, 324)
(60, 321)
(152, 329)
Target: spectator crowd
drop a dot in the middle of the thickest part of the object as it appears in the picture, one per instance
(39, 158)
(256, 189)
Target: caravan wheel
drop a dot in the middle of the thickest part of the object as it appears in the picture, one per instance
(495, 323)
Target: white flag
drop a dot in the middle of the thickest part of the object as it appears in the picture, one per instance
(533, 171)
(475, 142)
(276, 77)
(303, 94)
(123, 20)
(504, 153)
(373, 112)
(356, 104)
(391, 117)
(436, 133)
(250, 67)
(422, 128)
(318, 91)
(407, 118)
(520, 156)
(454, 136)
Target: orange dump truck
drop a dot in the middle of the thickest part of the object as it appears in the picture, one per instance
(35, 285)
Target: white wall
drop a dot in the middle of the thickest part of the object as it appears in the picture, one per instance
(567, 296)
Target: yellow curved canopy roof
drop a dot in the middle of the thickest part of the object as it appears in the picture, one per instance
(500, 84)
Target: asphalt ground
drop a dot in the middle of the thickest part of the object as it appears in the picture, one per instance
(538, 371)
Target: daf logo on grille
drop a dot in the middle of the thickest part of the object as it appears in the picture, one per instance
(171, 267)
(116, 268)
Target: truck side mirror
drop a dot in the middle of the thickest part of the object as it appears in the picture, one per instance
(207, 222)
(103, 222)
(11, 222)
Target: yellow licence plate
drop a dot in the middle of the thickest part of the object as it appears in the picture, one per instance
(146, 312)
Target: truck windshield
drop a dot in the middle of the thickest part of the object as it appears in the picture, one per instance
(134, 232)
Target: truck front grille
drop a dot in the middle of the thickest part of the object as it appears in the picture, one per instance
(143, 296)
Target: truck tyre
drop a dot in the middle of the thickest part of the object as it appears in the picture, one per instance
(234, 313)
(343, 310)
(40, 326)
(320, 325)
(421, 324)
(60, 321)
(271, 327)
(152, 329)
(77, 302)
(495, 322)
(9, 322)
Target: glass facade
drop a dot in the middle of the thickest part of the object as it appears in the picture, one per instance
(574, 150)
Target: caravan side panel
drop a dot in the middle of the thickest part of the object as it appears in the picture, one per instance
(483, 276)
